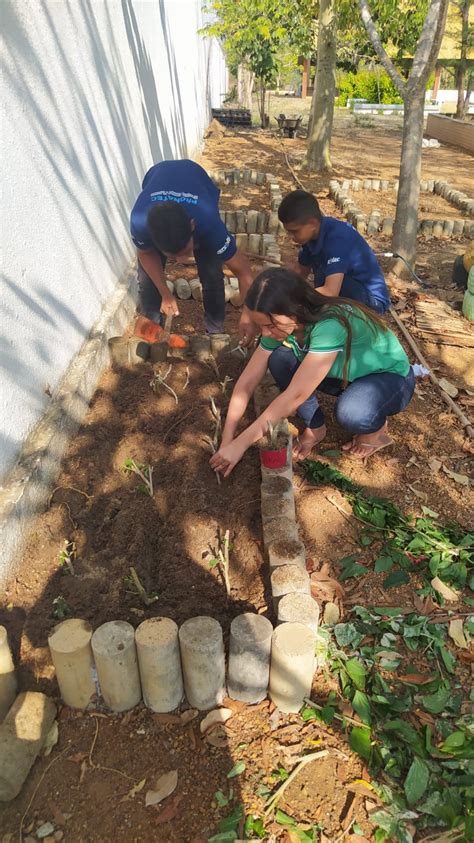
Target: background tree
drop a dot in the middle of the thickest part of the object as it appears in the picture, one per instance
(464, 76)
(412, 90)
(318, 156)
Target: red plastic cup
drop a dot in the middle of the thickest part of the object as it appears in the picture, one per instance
(274, 459)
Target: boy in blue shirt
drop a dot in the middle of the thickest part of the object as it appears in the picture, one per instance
(176, 216)
(342, 262)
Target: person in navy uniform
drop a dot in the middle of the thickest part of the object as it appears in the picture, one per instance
(176, 216)
(342, 262)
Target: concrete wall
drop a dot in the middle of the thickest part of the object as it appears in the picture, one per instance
(93, 93)
(448, 130)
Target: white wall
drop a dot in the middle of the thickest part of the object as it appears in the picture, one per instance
(93, 92)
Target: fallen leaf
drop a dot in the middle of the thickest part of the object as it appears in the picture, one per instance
(418, 492)
(77, 757)
(275, 719)
(425, 718)
(424, 607)
(165, 785)
(216, 716)
(134, 790)
(456, 632)
(462, 479)
(434, 464)
(237, 769)
(417, 678)
(325, 588)
(331, 614)
(188, 715)
(443, 589)
(234, 705)
(57, 814)
(51, 738)
(170, 810)
(448, 387)
(83, 771)
(217, 736)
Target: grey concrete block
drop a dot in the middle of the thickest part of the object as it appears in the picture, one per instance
(249, 658)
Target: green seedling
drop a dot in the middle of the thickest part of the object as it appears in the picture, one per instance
(135, 587)
(61, 609)
(159, 380)
(221, 559)
(141, 470)
(66, 556)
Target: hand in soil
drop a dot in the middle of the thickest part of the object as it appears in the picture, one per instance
(227, 457)
(169, 305)
(308, 440)
(247, 329)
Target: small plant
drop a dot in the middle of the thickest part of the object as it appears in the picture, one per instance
(136, 587)
(61, 609)
(213, 441)
(141, 470)
(272, 433)
(66, 556)
(159, 380)
(222, 559)
(224, 384)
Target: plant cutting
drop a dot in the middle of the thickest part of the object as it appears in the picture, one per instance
(222, 559)
(213, 441)
(145, 472)
(273, 448)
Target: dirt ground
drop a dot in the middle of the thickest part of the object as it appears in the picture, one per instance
(85, 788)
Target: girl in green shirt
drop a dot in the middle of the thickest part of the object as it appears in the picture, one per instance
(312, 342)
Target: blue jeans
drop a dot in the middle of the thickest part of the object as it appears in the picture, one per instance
(362, 407)
(211, 275)
(352, 289)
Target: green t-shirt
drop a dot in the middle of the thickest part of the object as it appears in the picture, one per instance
(372, 350)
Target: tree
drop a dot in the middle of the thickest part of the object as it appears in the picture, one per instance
(322, 105)
(464, 78)
(412, 91)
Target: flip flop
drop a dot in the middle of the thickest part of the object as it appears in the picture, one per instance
(375, 448)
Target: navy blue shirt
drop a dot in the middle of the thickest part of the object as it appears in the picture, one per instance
(187, 183)
(339, 248)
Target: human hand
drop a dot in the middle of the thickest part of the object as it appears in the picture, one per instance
(247, 329)
(169, 305)
(227, 457)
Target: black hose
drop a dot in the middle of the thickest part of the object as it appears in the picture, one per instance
(396, 255)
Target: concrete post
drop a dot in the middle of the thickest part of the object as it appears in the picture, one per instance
(299, 608)
(280, 530)
(220, 345)
(287, 552)
(203, 661)
(200, 347)
(196, 289)
(160, 664)
(113, 645)
(249, 657)
(255, 243)
(8, 683)
(292, 666)
(252, 220)
(276, 508)
(71, 653)
(22, 735)
(288, 579)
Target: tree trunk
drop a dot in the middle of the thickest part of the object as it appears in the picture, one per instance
(406, 218)
(245, 80)
(461, 68)
(318, 155)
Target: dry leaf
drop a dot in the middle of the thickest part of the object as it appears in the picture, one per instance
(448, 387)
(417, 678)
(463, 479)
(134, 790)
(275, 719)
(169, 811)
(331, 614)
(443, 589)
(164, 787)
(434, 464)
(188, 715)
(234, 705)
(418, 492)
(217, 736)
(424, 607)
(83, 771)
(456, 632)
(174, 719)
(216, 716)
(325, 588)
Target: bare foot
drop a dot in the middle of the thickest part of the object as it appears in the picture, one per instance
(364, 445)
(308, 440)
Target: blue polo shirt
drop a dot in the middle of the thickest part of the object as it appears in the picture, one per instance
(339, 248)
(187, 183)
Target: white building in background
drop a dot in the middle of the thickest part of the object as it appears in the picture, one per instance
(93, 94)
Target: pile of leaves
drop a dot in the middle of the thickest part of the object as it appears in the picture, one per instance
(441, 555)
(416, 729)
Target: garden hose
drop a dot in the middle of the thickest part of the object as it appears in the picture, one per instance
(396, 255)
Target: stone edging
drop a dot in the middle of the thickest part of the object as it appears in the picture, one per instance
(339, 192)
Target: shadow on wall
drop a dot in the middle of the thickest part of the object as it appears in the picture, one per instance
(76, 122)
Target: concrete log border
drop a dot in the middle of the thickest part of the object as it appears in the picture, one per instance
(250, 222)
(342, 195)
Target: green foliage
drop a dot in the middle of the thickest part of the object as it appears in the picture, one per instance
(371, 85)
